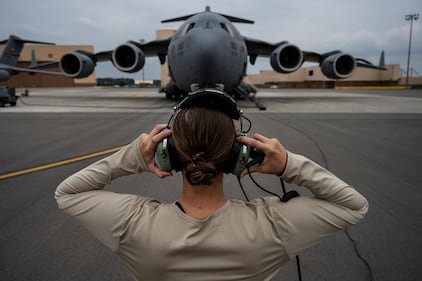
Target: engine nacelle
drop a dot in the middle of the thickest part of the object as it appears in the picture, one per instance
(338, 66)
(4, 75)
(286, 58)
(76, 64)
(128, 58)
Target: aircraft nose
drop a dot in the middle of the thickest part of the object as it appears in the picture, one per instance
(210, 55)
(207, 57)
(209, 47)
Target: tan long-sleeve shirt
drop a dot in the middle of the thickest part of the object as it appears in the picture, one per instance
(240, 241)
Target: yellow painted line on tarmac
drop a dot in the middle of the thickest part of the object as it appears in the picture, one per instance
(59, 163)
(134, 95)
(370, 88)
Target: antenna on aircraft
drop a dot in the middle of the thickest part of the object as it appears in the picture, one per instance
(207, 9)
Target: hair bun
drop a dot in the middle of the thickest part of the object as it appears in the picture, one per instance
(200, 171)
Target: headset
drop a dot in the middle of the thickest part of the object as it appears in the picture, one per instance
(166, 155)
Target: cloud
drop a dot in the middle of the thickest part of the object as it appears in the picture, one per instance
(362, 28)
(89, 23)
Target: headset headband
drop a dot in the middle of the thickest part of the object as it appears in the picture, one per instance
(211, 98)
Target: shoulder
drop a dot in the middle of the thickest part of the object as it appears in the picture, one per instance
(260, 202)
(261, 206)
(147, 203)
(271, 210)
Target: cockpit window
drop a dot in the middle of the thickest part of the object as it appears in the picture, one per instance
(223, 26)
(190, 27)
(208, 25)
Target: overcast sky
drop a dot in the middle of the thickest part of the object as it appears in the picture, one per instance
(362, 28)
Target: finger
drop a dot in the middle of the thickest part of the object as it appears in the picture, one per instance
(253, 143)
(246, 140)
(243, 173)
(158, 128)
(260, 137)
(255, 169)
(252, 169)
(161, 135)
(160, 173)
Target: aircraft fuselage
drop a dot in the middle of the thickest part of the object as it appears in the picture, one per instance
(207, 50)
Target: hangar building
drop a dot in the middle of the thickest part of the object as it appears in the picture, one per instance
(312, 77)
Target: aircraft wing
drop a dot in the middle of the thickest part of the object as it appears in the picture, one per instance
(258, 47)
(28, 70)
(44, 65)
(150, 49)
(319, 58)
(265, 49)
(128, 57)
(156, 47)
(364, 63)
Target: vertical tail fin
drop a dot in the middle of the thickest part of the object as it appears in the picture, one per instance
(382, 60)
(13, 49)
(33, 60)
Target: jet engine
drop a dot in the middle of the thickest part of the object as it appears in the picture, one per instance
(286, 58)
(4, 75)
(338, 66)
(128, 58)
(77, 64)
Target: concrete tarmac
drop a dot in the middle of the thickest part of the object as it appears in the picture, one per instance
(370, 139)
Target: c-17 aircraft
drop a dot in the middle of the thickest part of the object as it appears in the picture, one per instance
(10, 55)
(208, 51)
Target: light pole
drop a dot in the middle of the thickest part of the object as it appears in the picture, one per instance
(411, 18)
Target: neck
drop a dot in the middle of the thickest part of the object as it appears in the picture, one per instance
(200, 201)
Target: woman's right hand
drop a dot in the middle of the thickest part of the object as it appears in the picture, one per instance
(147, 145)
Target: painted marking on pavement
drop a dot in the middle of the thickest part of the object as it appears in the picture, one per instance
(59, 163)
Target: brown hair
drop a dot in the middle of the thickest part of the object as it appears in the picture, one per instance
(203, 138)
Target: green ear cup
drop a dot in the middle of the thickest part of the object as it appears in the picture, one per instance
(242, 160)
(162, 156)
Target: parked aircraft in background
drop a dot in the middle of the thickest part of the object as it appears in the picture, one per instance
(10, 55)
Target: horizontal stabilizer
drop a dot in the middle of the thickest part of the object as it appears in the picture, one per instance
(20, 40)
(236, 19)
(207, 10)
(183, 18)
